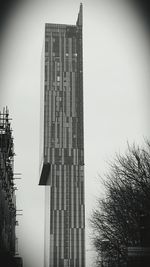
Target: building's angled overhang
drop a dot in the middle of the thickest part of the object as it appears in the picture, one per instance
(44, 174)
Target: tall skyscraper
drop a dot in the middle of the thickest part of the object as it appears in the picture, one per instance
(62, 169)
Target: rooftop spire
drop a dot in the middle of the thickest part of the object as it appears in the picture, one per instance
(80, 16)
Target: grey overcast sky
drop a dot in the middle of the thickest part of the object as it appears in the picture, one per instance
(116, 99)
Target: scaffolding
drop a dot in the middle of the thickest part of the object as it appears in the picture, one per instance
(7, 190)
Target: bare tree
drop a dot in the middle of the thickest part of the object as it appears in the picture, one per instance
(122, 218)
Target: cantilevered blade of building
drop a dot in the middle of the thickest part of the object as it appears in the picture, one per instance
(62, 168)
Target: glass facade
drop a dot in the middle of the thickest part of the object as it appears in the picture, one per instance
(63, 147)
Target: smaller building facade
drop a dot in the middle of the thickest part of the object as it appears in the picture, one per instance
(7, 193)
